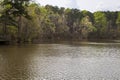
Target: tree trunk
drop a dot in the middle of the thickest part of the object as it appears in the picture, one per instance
(19, 29)
(4, 30)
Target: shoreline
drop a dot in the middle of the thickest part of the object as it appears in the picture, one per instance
(62, 41)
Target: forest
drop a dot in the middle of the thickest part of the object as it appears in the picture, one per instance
(25, 21)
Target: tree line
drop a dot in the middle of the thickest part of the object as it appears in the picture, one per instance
(26, 21)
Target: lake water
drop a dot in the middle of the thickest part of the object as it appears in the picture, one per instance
(61, 61)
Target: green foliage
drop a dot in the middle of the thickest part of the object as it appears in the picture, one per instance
(100, 19)
(118, 19)
(87, 26)
(12, 32)
(30, 21)
(100, 24)
(85, 13)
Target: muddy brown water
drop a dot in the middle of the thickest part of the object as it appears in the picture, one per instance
(60, 61)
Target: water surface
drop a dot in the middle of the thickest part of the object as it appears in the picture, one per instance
(63, 61)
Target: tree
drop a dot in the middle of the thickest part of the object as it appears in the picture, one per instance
(32, 21)
(85, 13)
(6, 17)
(16, 8)
(73, 16)
(112, 30)
(118, 24)
(86, 27)
(100, 24)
